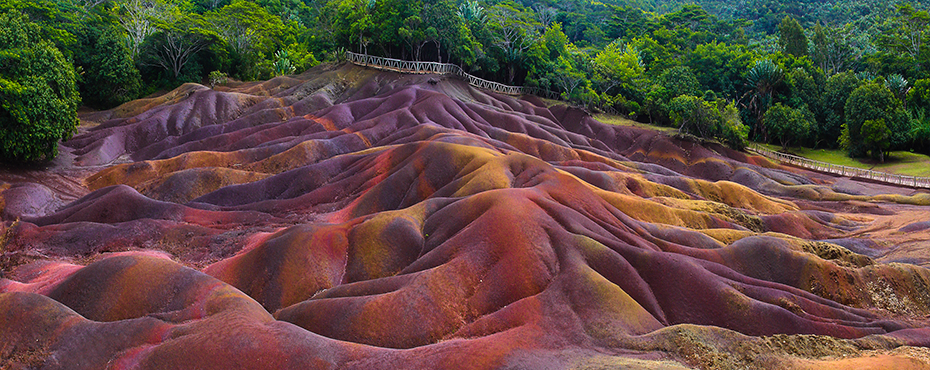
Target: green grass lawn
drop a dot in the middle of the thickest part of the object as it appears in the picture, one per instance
(902, 163)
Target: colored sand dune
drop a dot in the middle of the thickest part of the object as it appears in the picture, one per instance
(348, 218)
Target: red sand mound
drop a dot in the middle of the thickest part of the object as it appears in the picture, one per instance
(346, 218)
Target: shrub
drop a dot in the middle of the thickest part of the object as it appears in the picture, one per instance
(218, 78)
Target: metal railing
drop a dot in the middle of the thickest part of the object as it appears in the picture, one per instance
(406, 66)
(890, 178)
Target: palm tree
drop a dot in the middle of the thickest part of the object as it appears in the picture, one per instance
(470, 10)
(898, 86)
(762, 79)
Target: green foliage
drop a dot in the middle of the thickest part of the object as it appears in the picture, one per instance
(674, 82)
(110, 77)
(869, 102)
(709, 119)
(619, 67)
(58, 21)
(720, 67)
(906, 34)
(282, 63)
(337, 55)
(898, 86)
(920, 130)
(657, 57)
(246, 27)
(833, 49)
(679, 81)
(918, 97)
(788, 125)
(556, 40)
(38, 96)
(634, 57)
(762, 79)
(217, 78)
(175, 48)
(691, 115)
(244, 34)
(471, 11)
(833, 116)
(875, 137)
(803, 91)
(791, 37)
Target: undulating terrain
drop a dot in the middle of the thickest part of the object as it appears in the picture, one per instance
(350, 218)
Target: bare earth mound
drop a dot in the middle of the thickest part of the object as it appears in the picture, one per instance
(347, 218)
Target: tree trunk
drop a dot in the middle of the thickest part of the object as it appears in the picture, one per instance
(419, 49)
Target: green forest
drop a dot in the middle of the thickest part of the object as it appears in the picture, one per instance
(851, 74)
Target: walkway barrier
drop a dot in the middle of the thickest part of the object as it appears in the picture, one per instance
(913, 181)
(406, 66)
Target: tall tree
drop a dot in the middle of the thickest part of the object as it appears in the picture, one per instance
(471, 10)
(619, 66)
(179, 38)
(791, 37)
(787, 125)
(833, 116)
(110, 77)
(875, 137)
(353, 23)
(516, 34)
(762, 80)
(138, 18)
(869, 102)
(908, 34)
(832, 50)
(245, 27)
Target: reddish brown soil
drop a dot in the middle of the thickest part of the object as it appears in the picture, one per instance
(347, 218)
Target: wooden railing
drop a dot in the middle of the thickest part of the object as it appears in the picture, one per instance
(406, 66)
(890, 178)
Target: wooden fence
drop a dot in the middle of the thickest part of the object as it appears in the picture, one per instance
(890, 178)
(406, 66)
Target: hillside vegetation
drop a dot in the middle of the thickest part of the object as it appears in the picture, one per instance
(848, 74)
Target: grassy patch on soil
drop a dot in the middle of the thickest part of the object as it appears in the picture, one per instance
(901, 162)
(622, 121)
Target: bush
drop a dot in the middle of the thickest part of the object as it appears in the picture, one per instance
(38, 95)
(218, 78)
(282, 63)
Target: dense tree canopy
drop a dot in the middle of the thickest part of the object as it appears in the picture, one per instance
(634, 57)
(791, 37)
(38, 94)
(873, 102)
